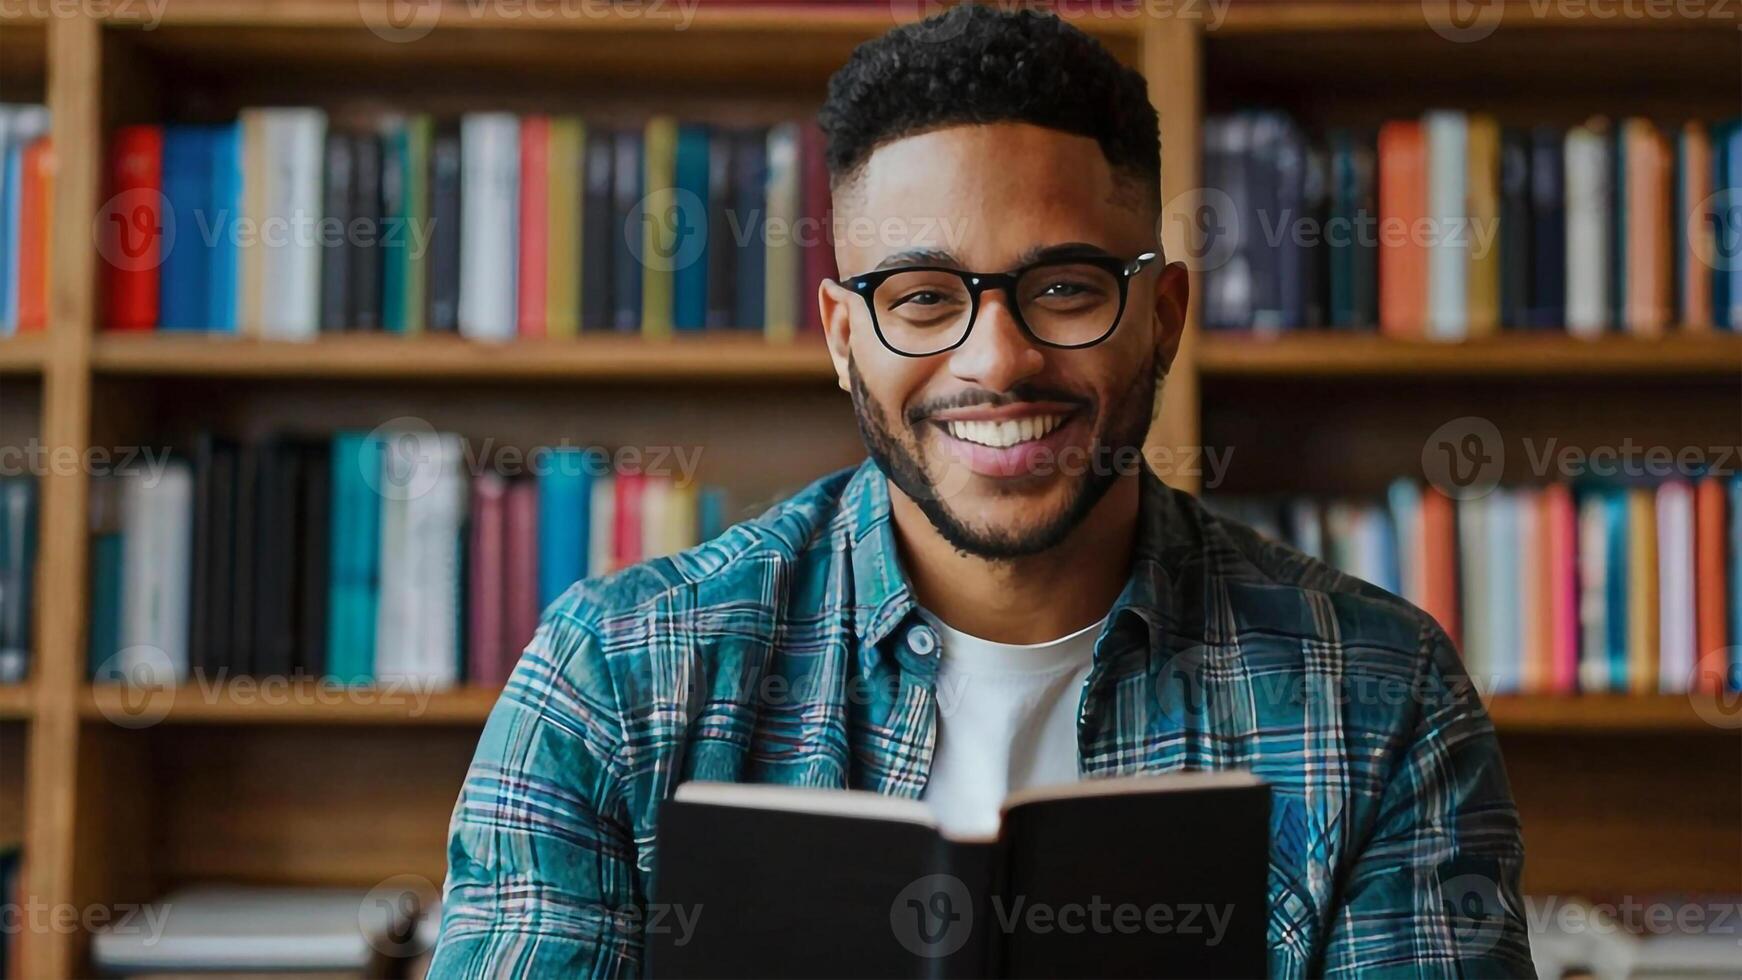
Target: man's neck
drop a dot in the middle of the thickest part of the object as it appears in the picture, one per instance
(1032, 599)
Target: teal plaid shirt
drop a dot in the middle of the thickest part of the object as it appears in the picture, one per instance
(788, 650)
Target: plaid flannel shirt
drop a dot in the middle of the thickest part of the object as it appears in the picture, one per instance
(787, 650)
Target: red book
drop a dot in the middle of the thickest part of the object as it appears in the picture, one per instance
(819, 241)
(35, 202)
(1402, 207)
(1560, 520)
(627, 517)
(520, 569)
(1710, 586)
(1439, 550)
(487, 585)
(534, 223)
(132, 228)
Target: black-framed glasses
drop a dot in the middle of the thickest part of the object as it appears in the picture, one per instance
(1069, 303)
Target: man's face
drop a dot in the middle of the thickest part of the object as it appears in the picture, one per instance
(1004, 443)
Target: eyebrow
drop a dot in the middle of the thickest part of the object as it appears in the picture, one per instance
(1034, 253)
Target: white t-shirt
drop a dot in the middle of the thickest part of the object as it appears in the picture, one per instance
(1007, 719)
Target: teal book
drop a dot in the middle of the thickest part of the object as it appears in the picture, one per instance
(105, 633)
(565, 501)
(1615, 597)
(395, 255)
(355, 560)
(689, 277)
(1736, 582)
(710, 513)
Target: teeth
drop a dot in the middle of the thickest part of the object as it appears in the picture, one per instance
(1003, 434)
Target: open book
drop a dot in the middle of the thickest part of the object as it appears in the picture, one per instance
(1153, 876)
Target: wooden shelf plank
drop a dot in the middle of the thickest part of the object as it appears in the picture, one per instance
(16, 701)
(1616, 713)
(1289, 16)
(1333, 355)
(24, 354)
(605, 358)
(276, 702)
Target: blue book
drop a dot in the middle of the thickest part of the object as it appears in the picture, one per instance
(689, 280)
(355, 561)
(184, 278)
(1615, 507)
(628, 191)
(1506, 663)
(750, 172)
(1729, 245)
(1725, 233)
(224, 204)
(395, 146)
(565, 502)
(11, 189)
(710, 513)
(105, 632)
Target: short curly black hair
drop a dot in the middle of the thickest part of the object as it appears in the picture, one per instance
(975, 64)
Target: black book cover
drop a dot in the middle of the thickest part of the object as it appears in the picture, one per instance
(750, 201)
(1548, 292)
(1364, 285)
(335, 250)
(237, 659)
(874, 890)
(597, 246)
(314, 527)
(1265, 179)
(1515, 244)
(722, 253)
(625, 267)
(214, 550)
(1617, 151)
(366, 210)
(1316, 254)
(444, 236)
(275, 535)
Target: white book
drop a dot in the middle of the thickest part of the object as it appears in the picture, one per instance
(781, 274)
(1527, 521)
(489, 225)
(1500, 568)
(1448, 309)
(1675, 587)
(1588, 227)
(156, 566)
(290, 272)
(1476, 594)
(601, 526)
(422, 512)
(1303, 520)
(1593, 594)
(655, 498)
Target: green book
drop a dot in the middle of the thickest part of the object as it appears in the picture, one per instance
(419, 132)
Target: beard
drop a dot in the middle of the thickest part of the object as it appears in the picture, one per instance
(1120, 434)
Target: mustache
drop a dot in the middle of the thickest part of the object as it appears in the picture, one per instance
(976, 397)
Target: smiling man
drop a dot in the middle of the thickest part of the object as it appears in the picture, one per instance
(1003, 595)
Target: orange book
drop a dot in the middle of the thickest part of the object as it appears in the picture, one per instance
(35, 222)
(1695, 163)
(534, 223)
(1648, 240)
(1402, 206)
(1439, 561)
(1482, 190)
(1642, 607)
(1710, 585)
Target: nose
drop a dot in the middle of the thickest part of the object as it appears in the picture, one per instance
(997, 353)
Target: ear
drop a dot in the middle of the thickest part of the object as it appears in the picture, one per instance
(1172, 291)
(836, 304)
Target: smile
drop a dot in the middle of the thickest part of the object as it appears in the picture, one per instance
(1002, 434)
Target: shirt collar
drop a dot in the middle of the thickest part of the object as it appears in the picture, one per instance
(882, 598)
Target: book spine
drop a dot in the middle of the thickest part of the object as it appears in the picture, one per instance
(489, 236)
(132, 242)
(534, 224)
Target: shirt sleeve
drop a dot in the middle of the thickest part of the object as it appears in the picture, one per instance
(1435, 890)
(541, 860)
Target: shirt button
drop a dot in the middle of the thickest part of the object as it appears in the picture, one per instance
(922, 641)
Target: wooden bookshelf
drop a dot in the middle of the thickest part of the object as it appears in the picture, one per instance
(1625, 793)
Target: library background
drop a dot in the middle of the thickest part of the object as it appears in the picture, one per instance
(1529, 430)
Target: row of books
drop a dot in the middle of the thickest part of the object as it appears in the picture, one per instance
(1452, 226)
(285, 224)
(17, 574)
(26, 194)
(1550, 589)
(359, 558)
